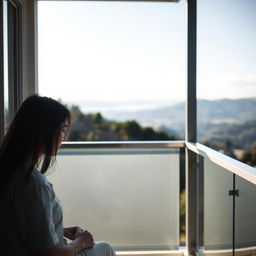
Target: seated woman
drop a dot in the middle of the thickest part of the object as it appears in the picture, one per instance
(30, 213)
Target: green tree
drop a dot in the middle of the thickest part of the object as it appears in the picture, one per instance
(94, 127)
(91, 136)
(249, 157)
(133, 130)
(148, 134)
(97, 117)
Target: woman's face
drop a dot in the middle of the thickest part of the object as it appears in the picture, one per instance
(64, 132)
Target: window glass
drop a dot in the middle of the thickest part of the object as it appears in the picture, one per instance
(114, 62)
(227, 75)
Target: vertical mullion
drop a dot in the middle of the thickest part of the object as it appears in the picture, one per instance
(2, 111)
(18, 57)
(191, 106)
(11, 54)
(191, 133)
(14, 56)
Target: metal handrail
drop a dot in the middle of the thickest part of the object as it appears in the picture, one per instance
(124, 144)
(243, 170)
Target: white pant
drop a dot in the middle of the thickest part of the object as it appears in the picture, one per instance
(99, 249)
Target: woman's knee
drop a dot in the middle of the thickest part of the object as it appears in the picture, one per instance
(105, 248)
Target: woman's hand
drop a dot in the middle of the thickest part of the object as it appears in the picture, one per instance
(86, 237)
(71, 232)
(81, 239)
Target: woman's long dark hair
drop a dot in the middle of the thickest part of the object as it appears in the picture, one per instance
(33, 136)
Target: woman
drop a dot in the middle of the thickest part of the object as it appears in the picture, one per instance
(30, 213)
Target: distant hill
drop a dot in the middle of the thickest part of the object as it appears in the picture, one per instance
(226, 110)
(212, 115)
(242, 136)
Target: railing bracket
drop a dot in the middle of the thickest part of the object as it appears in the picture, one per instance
(233, 192)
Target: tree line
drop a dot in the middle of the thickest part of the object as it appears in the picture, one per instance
(94, 127)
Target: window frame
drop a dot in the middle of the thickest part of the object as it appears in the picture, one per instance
(14, 17)
(2, 116)
(29, 74)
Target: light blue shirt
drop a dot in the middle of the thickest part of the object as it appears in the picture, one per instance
(31, 217)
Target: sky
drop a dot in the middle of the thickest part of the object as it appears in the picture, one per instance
(136, 52)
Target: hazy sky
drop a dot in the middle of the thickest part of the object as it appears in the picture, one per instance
(137, 51)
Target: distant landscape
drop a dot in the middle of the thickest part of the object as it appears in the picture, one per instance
(211, 115)
(227, 125)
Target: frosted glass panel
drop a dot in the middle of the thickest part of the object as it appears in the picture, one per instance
(245, 213)
(129, 197)
(218, 209)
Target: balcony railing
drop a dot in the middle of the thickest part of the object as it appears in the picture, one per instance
(226, 207)
(125, 193)
(128, 193)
